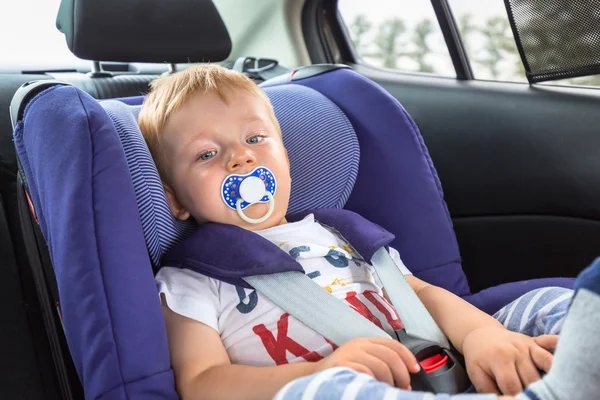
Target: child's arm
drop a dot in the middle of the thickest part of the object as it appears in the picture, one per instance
(496, 358)
(455, 317)
(203, 370)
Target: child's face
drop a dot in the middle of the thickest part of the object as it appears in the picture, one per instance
(206, 140)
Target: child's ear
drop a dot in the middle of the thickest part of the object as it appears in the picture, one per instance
(177, 209)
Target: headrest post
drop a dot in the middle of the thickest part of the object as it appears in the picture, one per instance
(171, 69)
(98, 72)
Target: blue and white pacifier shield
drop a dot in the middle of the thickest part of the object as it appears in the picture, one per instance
(250, 188)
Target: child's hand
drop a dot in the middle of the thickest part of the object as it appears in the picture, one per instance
(384, 359)
(500, 359)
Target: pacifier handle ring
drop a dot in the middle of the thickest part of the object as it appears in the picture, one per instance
(256, 220)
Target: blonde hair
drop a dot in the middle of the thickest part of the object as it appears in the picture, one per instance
(169, 93)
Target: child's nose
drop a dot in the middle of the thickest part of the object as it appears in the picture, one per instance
(241, 161)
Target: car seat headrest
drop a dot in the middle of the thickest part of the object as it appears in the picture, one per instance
(174, 31)
(322, 146)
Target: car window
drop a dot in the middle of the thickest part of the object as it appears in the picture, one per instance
(488, 38)
(405, 35)
(29, 38)
(397, 34)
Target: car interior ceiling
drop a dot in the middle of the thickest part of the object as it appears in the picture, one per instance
(518, 165)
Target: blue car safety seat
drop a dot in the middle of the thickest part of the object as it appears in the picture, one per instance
(90, 183)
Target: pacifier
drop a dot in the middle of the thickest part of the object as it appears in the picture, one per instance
(241, 191)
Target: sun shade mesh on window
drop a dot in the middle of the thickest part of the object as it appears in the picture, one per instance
(557, 39)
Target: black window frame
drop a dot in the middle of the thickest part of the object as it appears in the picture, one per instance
(326, 36)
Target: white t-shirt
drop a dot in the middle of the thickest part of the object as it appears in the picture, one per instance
(256, 332)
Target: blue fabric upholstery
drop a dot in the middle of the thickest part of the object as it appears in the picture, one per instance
(83, 195)
(100, 207)
(322, 146)
(397, 186)
(161, 229)
(494, 298)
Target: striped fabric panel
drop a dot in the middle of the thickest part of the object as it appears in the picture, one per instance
(161, 229)
(321, 143)
(342, 383)
(322, 146)
(538, 312)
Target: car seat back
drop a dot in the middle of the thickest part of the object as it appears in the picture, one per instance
(102, 211)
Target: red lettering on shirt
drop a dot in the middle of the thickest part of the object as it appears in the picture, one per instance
(377, 300)
(362, 309)
(277, 347)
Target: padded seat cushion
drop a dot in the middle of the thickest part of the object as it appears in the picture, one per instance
(83, 195)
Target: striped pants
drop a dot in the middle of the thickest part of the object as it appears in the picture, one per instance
(541, 311)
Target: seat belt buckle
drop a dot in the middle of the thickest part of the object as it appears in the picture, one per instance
(436, 362)
(442, 369)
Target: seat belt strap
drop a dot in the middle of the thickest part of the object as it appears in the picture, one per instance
(316, 308)
(417, 321)
(310, 304)
(329, 316)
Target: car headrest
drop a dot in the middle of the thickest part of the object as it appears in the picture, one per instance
(322, 146)
(174, 31)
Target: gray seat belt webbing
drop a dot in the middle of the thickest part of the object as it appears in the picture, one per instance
(416, 319)
(316, 308)
(312, 305)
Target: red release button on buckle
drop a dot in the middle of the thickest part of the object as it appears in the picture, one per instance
(434, 362)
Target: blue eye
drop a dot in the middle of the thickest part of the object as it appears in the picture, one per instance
(207, 156)
(254, 139)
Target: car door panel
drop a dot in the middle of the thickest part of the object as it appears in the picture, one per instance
(519, 167)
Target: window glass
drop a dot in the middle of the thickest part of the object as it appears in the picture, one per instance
(488, 40)
(397, 34)
(490, 45)
(29, 38)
